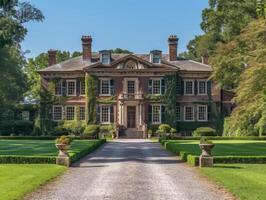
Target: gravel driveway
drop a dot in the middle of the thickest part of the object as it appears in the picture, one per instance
(130, 169)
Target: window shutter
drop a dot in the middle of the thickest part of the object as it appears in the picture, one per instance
(64, 87)
(98, 114)
(112, 114)
(150, 86)
(162, 114)
(182, 88)
(162, 86)
(112, 86)
(209, 112)
(178, 86)
(150, 114)
(98, 87)
(209, 87)
(195, 87)
(78, 82)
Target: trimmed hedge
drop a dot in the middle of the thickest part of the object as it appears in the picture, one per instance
(40, 137)
(193, 160)
(5, 159)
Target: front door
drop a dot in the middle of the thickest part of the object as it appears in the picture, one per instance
(131, 116)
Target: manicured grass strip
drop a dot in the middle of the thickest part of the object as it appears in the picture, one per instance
(246, 181)
(18, 180)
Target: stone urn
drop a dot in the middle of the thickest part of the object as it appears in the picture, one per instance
(206, 149)
(62, 149)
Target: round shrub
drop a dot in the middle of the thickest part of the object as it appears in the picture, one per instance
(173, 131)
(204, 131)
(165, 128)
(91, 131)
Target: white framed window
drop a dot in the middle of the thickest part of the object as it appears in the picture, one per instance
(189, 87)
(156, 114)
(156, 86)
(58, 88)
(202, 113)
(82, 87)
(25, 115)
(81, 113)
(156, 58)
(57, 113)
(105, 87)
(105, 58)
(178, 113)
(131, 87)
(188, 113)
(202, 87)
(105, 114)
(70, 112)
(71, 87)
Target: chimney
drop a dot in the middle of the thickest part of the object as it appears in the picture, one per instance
(86, 47)
(172, 43)
(205, 59)
(52, 57)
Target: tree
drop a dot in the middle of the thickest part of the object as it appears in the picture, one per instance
(119, 50)
(261, 8)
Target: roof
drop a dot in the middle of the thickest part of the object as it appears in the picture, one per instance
(78, 64)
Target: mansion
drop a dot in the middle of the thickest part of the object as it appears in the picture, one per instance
(135, 91)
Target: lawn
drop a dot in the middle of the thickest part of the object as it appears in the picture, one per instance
(39, 147)
(246, 181)
(223, 147)
(18, 180)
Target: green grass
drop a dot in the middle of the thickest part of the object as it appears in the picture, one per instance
(18, 180)
(223, 147)
(246, 181)
(39, 147)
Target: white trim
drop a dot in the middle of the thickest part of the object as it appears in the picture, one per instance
(202, 94)
(180, 115)
(109, 113)
(206, 114)
(62, 110)
(185, 85)
(75, 90)
(160, 115)
(109, 87)
(66, 113)
(152, 85)
(193, 113)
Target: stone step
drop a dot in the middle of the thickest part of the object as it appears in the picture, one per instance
(132, 134)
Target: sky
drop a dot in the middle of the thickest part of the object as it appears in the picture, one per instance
(136, 25)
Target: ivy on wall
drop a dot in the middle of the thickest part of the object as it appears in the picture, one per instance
(91, 84)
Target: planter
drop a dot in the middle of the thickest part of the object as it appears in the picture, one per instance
(62, 149)
(206, 149)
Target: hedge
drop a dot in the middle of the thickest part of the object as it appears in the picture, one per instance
(40, 137)
(193, 160)
(5, 159)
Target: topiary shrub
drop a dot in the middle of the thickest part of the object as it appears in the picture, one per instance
(165, 128)
(204, 131)
(91, 131)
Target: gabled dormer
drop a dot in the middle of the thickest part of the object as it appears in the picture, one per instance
(105, 57)
(155, 56)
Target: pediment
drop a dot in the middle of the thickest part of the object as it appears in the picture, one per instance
(131, 62)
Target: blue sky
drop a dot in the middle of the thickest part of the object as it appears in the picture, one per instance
(136, 25)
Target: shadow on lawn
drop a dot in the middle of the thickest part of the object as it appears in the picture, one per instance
(228, 167)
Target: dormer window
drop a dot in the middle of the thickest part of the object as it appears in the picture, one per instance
(155, 56)
(105, 57)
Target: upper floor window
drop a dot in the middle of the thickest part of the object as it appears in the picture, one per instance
(202, 113)
(57, 113)
(156, 114)
(105, 87)
(82, 88)
(70, 112)
(156, 86)
(189, 87)
(105, 56)
(71, 87)
(189, 113)
(58, 88)
(202, 87)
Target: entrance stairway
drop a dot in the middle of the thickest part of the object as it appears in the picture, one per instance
(132, 134)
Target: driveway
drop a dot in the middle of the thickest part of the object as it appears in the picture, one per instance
(130, 169)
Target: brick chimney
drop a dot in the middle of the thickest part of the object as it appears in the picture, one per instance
(205, 59)
(86, 47)
(52, 57)
(172, 43)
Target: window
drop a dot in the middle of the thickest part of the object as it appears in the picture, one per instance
(57, 113)
(71, 87)
(82, 113)
(156, 58)
(156, 114)
(70, 112)
(189, 113)
(189, 87)
(25, 115)
(202, 113)
(202, 88)
(156, 86)
(82, 88)
(105, 87)
(178, 113)
(130, 87)
(58, 88)
(105, 114)
(105, 58)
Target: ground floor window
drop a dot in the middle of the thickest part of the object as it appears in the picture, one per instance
(81, 113)
(70, 112)
(105, 114)
(57, 113)
(156, 114)
(202, 113)
(189, 113)
(25, 115)
(178, 113)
